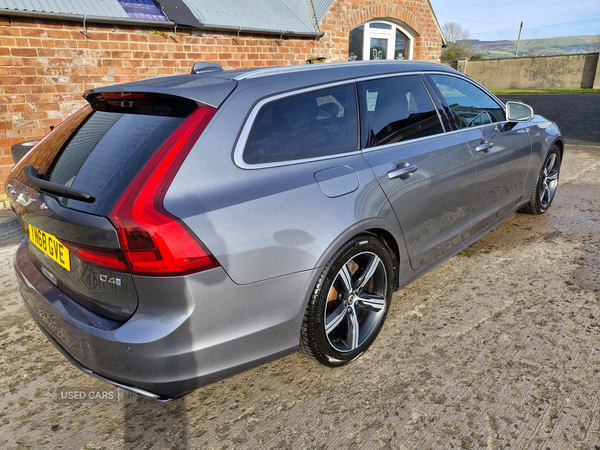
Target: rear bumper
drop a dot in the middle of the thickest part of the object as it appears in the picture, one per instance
(186, 333)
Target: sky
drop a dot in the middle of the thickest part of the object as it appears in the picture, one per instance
(492, 20)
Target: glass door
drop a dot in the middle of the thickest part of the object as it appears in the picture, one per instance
(378, 40)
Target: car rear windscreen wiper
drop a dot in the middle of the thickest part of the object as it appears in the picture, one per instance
(32, 175)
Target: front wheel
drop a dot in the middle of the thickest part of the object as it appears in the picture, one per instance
(349, 302)
(546, 185)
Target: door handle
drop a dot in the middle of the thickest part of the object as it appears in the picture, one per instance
(401, 171)
(484, 147)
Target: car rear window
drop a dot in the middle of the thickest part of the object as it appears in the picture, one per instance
(102, 154)
(106, 141)
(314, 124)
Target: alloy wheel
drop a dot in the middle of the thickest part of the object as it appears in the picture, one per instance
(549, 181)
(356, 302)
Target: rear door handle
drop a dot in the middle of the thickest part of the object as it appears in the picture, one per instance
(484, 147)
(401, 171)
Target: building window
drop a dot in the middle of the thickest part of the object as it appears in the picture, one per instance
(379, 40)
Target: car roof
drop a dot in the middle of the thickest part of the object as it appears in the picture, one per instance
(212, 87)
(353, 68)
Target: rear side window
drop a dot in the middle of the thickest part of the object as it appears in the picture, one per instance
(309, 125)
(399, 109)
(470, 105)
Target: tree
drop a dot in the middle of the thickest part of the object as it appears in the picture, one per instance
(536, 45)
(458, 42)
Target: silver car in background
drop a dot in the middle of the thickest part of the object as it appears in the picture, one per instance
(185, 228)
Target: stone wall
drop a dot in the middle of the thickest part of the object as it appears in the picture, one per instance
(539, 72)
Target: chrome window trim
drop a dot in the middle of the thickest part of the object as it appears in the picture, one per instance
(245, 165)
(244, 134)
(238, 153)
(463, 130)
(390, 75)
(409, 141)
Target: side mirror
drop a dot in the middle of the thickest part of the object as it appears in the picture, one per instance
(518, 112)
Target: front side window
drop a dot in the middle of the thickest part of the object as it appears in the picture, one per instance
(309, 125)
(470, 105)
(398, 109)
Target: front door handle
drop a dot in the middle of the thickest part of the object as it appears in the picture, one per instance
(401, 171)
(484, 147)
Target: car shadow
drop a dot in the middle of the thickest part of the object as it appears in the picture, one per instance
(150, 424)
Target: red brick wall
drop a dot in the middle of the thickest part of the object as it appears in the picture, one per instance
(346, 15)
(46, 65)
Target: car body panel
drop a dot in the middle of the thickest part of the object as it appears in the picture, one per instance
(213, 205)
(273, 229)
(501, 169)
(175, 347)
(83, 281)
(433, 204)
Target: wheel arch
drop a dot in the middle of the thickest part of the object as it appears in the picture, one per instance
(561, 147)
(390, 242)
(386, 230)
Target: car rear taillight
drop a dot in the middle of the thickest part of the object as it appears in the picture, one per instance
(154, 242)
(111, 258)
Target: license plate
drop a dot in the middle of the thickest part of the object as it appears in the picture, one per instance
(51, 246)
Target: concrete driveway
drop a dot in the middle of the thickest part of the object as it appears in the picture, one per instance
(498, 347)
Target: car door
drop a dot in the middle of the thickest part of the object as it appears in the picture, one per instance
(502, 149)
(427, 174)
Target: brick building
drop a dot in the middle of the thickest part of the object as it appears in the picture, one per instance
(49, 55)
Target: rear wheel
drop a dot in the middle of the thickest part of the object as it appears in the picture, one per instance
(545, 187)
(349, 303)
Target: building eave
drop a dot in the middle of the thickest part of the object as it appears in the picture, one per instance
(81, 18)
(444, 42)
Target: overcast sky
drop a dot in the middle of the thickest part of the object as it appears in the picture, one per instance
(492, 20)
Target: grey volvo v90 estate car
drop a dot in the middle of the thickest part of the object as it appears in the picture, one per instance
(185, 228)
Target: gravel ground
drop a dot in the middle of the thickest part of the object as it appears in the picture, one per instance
(498, 347)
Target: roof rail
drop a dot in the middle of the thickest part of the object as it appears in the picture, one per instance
(202, 67)
(283, 69)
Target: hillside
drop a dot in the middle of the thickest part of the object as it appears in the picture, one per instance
(534, 47)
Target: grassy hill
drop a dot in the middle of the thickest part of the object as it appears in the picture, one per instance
(535, 47)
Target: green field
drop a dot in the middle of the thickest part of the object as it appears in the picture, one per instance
(565, 45)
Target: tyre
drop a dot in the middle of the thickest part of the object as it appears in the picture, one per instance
(349, 302)
(19, 150)
(11, 231)
(545, 187)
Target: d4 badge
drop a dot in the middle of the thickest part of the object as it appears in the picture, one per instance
(112, 280)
